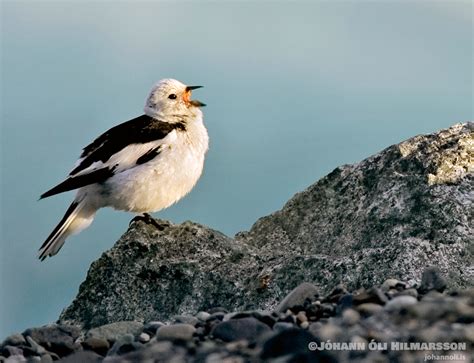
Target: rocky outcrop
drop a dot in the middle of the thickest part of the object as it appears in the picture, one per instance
(389, 216)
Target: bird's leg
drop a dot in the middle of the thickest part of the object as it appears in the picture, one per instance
(148, 219)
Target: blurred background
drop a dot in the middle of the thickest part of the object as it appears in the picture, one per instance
(294, 89)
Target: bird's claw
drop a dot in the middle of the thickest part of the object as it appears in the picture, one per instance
(148, 219)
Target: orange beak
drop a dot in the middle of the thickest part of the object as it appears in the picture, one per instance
(187, 97)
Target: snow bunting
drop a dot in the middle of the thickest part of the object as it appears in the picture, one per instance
(142, 165)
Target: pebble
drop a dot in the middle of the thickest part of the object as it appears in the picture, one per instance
(38, 349)
(143, 338)
(373, 295)
(408, 292)
(389, 284)
(191, 320)
(176, 332)
(83, 357)
(368, 309)
(152, 327)
(122, 345)
(287, 342)
(280, 326)
(298, 296)
(98, 345)
(14, 339)
(113, 331)
(301, 317)
(203, 316)
(235, 329)
(9, 350)
(400, 302)
(350, 317)
(282, 336)
(432, 279)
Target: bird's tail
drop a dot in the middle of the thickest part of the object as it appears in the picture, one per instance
(78, 217)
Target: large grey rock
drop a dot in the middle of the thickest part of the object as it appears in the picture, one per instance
(389, 216)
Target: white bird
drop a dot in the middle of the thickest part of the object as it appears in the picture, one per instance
(142, 165)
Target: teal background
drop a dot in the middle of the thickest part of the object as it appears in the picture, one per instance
(293, 89)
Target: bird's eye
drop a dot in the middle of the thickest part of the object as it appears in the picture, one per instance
(172, 96)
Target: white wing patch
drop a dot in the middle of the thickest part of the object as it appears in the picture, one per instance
(127, 157)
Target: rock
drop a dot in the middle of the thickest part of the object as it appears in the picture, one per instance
(289, 341)
(10, 350)
(123, 345)
(176, 332)
(350, 317)
(35, 347)
(111, 332)
(83, 357)
(390, 215)
(163, 351)
(280, 326)
(432, 279)
(298, 296)
(14, 339)
(59, 339)
(368, 309)
(236, 329)
(203, 316)
(400, 302)
(186, 319)
(152, 327)
(408, 292)
(392, 284)
(373, 295)
(143, 338)
(98, 345)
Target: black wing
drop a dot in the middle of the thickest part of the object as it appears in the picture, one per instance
(140, 130)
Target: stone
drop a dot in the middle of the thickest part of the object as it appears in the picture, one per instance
(373, 295)
(59, 339)
(83, 357)
(10, 350)
(410, 292)
(236, 329)
(350, 317)
(432, 279)
(111, 332)
(289, 341)
(280, 326)
(298, 296)
(203, 316)
(123, 345)
(392, 284)
(143, 338)
(391, 214)
(186, 319)
(400, 302)
(176, 332)
(152, 327)
(14, 339)
(98, 345)
(368, 309)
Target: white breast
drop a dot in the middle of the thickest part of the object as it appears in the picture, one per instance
(167, 178)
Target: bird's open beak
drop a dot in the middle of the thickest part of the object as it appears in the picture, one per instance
(187, 97)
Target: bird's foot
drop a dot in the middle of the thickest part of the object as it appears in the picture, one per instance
(148, 219)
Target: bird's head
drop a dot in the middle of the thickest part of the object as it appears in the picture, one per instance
(170, 99)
